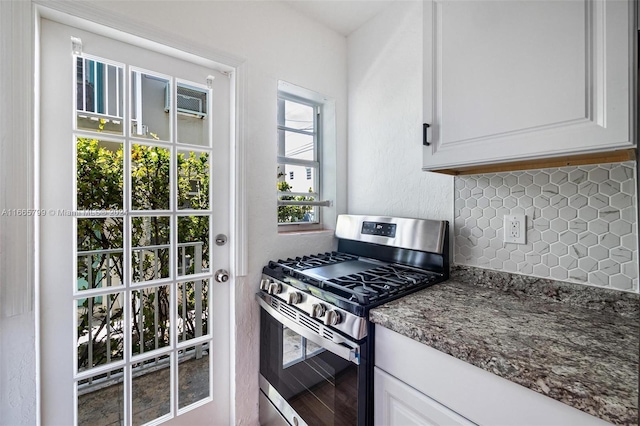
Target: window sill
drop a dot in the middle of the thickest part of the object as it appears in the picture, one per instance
(305, 231)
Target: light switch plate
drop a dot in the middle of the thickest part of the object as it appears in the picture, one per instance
(515, 228)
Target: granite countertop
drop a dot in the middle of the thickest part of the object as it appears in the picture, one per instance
(573, 343)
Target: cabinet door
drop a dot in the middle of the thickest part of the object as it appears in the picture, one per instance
(396, 403)
(518, 79)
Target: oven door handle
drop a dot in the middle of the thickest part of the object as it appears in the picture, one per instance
(350, 352)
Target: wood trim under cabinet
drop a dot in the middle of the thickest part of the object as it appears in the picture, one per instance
(545, 163)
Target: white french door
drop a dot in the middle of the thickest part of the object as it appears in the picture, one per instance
(134, 164)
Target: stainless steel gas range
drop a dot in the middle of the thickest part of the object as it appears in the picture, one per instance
(316, 342)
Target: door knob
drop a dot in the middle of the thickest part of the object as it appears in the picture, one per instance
(222, 276)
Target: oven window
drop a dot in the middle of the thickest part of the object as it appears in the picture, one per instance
(296, 348)
(320, 386)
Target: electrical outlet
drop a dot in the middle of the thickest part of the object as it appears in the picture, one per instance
(515, 229)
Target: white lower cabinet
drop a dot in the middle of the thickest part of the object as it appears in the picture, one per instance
(418, 385)
(398, 404)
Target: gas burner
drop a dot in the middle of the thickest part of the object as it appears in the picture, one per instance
(364, 290)
(386, 275)
(315, 261)
(354, 280)
(376, 284)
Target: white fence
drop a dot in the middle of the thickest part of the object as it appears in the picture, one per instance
(104, 314)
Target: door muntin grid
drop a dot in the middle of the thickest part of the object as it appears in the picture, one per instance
(143, 306)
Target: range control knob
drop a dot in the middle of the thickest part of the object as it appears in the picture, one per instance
(317, 310)
(294, 298)
(264, 284)
(274, 288)
(332, 318)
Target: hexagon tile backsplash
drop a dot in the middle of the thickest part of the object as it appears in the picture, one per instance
(581, 223)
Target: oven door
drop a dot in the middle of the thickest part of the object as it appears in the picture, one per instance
(310, 379)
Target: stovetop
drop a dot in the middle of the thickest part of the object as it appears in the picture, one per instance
(353, 283)
(378, 259)
(327, 297)
(315, 261)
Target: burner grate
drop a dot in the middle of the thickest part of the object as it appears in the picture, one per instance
(370, 266)
(322, 259)
(367, 283)
(379, 283)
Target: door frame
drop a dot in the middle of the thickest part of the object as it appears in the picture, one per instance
(120, 27)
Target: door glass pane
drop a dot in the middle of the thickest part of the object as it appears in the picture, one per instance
(150, 170)
(99, 97)
(150, 237)
(99, 174)
(101, 399)
(193, 180)
(193, 309)
(150, 322)
(151, 389)
(193, 115)
(193, 374)
(150, 106)
(99, 243)
(193, 244)
(100, 330)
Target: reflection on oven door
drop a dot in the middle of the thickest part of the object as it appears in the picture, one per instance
(320, 386)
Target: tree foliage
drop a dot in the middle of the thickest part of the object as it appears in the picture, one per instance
(100, 186)
(293, 214)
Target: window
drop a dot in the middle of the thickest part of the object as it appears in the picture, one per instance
(99, 100)
(299, 159)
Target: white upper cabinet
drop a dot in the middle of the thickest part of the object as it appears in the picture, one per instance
(513, 80)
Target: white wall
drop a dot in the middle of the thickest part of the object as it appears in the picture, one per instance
(276, 44)
(17, 370)
(385, 120)
(17, 314)
(385, 158)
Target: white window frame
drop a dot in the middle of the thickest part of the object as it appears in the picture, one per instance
(315, 164)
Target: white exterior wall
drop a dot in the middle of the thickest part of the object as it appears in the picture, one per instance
(385, 121)
(275, 43)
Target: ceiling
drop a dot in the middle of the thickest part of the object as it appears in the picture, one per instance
(341, 16)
